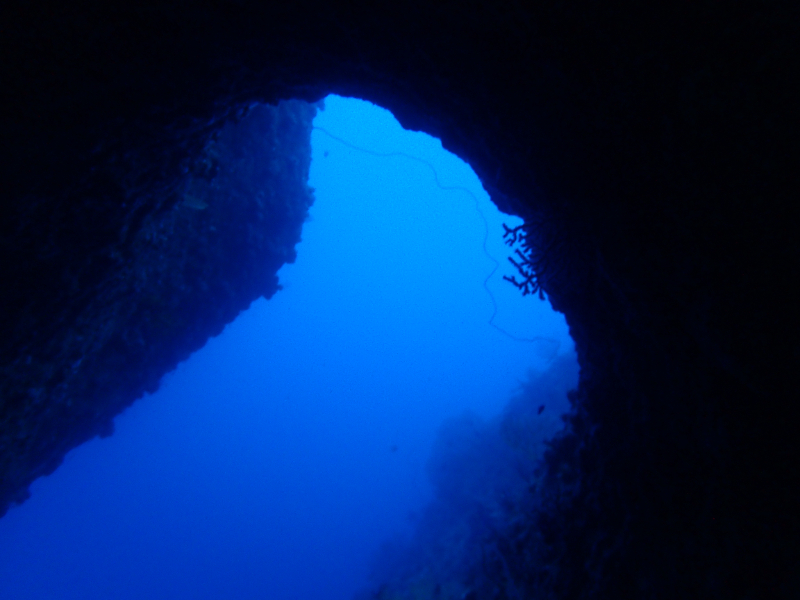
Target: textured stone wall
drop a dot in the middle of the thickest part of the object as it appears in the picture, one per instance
(649, 146)
(100, 317)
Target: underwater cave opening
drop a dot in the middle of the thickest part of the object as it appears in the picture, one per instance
(277, 460)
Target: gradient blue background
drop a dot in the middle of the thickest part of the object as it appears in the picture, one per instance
(274, 462)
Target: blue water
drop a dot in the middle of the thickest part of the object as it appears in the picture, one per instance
(275, 461)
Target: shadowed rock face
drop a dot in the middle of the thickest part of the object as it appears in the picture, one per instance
(116, 283)
(650, 148)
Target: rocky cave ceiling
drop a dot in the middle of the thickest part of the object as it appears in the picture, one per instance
(648, 146)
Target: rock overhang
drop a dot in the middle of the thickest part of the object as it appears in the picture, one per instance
(654, 148)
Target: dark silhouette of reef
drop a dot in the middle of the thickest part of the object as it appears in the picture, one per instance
(649, 146)
(480, 537)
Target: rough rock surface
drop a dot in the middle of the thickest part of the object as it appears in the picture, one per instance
(649, 146)
(115, 286)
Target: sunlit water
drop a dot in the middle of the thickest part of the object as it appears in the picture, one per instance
(275, 460)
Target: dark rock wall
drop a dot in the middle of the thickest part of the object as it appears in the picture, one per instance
(649, 146)
(97, 318)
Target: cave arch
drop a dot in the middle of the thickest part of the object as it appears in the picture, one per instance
(655, 141)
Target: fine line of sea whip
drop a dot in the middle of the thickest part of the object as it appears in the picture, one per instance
(537, 338)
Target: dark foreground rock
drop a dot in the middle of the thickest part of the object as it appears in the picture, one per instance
(650, 147)
(126, 278)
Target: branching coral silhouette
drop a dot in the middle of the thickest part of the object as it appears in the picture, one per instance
(526, 266)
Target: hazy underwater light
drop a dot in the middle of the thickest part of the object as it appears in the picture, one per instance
(276, 460)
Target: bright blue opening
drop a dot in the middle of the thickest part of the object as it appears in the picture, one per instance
(274, 462)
